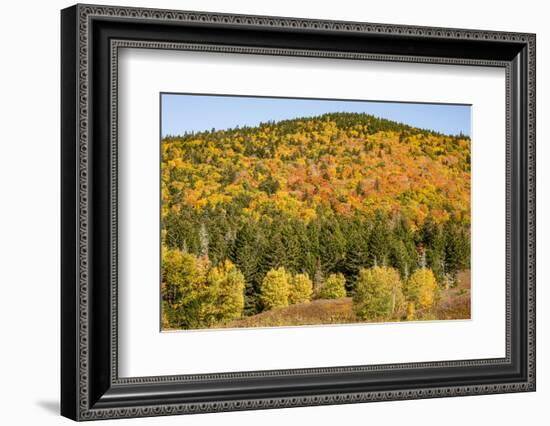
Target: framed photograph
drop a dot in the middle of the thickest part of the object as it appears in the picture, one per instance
(263, 212)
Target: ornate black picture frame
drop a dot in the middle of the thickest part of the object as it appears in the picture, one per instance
(91, 388)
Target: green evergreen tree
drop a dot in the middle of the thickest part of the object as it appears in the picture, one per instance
(332, 244)
(245, 254)
(457, 247)
(380, 240)
(275, 251)
(433, 242)
(403, 254)
(293, 245)
(357, 234)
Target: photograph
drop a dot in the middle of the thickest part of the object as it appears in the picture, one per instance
(279, 212)
(261, 209)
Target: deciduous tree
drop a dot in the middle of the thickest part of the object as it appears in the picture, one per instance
(378, 293)
(301, 289)
(333, 288)
(275, 289)
(421, 288)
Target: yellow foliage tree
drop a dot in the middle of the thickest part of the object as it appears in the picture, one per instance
(421, 288)
(189, 299)
(196, 295)
(275, 289)
(227, 284)
(301, 289)
(333, 288)
(378, 293)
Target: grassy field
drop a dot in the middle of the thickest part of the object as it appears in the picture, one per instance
(454, 303)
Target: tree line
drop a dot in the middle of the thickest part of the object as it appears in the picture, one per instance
(197, 294)
(328, 245)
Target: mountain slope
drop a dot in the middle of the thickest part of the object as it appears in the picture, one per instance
(318, 195)
(341, 162)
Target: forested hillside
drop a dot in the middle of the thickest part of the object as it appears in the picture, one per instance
(309, 203)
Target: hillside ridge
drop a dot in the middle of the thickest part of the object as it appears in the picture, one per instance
(342, 119)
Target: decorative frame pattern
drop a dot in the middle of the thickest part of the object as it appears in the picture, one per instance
(109, 396)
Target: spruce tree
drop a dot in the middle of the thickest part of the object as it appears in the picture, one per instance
(244, 253)
(332, 244)
(380, 240)
(357, 233)
(457, 247)
(403, 252)
(433, 241)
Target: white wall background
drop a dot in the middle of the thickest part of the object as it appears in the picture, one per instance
(29, 214)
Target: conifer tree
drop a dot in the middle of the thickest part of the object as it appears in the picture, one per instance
(457, 247)
(357, 233)
(380, 240)
(244, 254)
(433, 241)
(332, 245)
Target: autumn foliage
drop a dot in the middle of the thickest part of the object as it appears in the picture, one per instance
(257, 218)
(333, 288)
(197, 295)
(301, 289)
(421, 288)
(275, 289)
(378, 293)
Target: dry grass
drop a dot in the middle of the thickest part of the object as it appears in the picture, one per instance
(334, 311)
(454, 303)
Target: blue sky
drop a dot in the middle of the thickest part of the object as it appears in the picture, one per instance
(185, 113)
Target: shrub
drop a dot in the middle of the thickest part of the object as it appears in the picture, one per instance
(421, 288)
(377, 293)
(301, 289)
(333, 288)
(275, 289)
